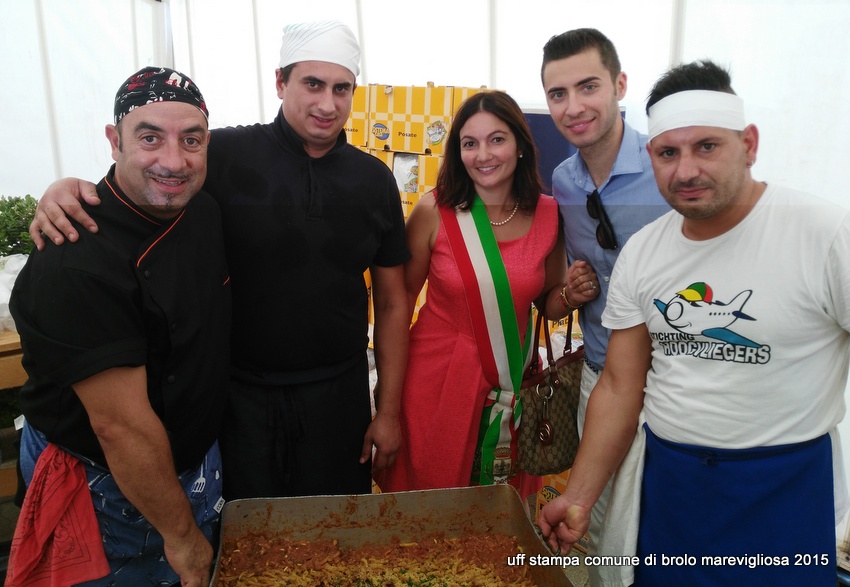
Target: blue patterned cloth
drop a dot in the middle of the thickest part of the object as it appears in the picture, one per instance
(133, 547)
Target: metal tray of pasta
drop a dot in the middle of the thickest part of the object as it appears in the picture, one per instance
(381, 519)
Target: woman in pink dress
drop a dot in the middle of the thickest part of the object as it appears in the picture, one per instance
(489, 244)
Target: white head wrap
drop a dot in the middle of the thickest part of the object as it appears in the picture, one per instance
(696, 108)
(329, 40)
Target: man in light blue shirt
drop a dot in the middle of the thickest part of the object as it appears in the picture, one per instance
(631, 200)
(606, 191)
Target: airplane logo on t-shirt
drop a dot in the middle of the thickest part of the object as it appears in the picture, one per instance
(694, 311)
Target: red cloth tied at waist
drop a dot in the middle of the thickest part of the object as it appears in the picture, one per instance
(57, 540)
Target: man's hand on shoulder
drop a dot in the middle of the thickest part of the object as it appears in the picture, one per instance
(59, 204)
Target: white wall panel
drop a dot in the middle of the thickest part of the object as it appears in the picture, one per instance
(63, 62)
(26, 148)
(223, 59)
(443, 41)
(788, 62)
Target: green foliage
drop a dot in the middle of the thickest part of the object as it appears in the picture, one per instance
(16, 213)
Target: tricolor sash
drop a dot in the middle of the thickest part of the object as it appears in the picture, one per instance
(494, 324)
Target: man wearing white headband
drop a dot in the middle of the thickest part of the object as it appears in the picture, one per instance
(729, 354)
(305, 214)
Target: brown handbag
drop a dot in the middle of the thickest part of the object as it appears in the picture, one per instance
(548, 431)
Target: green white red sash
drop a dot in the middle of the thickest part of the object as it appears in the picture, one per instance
(503, 356)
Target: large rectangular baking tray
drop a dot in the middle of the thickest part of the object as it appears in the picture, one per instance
(357, 520)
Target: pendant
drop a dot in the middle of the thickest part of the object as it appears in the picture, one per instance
(545, 432)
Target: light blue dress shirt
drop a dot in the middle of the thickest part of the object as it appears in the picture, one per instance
(631, 199)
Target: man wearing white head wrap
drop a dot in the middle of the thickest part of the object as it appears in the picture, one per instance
(305, 214)
(696, 108)
(741, 389)
(325, 57)
(330, 41)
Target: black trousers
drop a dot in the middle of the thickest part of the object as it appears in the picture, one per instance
(299, 439)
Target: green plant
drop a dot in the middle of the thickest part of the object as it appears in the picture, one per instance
(16, 213)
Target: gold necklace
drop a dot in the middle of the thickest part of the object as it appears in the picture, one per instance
(509, 218)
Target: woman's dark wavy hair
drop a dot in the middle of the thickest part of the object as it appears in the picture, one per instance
(455, 188)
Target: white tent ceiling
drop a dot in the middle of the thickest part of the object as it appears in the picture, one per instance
(62, 62)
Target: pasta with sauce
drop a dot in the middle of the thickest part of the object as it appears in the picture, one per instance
(261, 559)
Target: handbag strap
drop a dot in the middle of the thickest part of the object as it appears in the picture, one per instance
(543, 325)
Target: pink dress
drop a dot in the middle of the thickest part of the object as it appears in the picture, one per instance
(444, 387)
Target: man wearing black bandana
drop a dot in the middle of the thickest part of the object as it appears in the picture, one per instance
(125, 339)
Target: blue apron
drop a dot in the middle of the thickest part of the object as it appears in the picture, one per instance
(750, 517)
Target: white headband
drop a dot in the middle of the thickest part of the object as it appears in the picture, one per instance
(696, 108)
(329, 40)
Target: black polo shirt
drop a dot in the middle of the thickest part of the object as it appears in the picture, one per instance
(299, 233)
(142, 291)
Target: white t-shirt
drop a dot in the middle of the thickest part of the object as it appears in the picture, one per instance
(750, 330)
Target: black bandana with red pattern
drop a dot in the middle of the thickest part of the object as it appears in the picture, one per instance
(157, 84)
